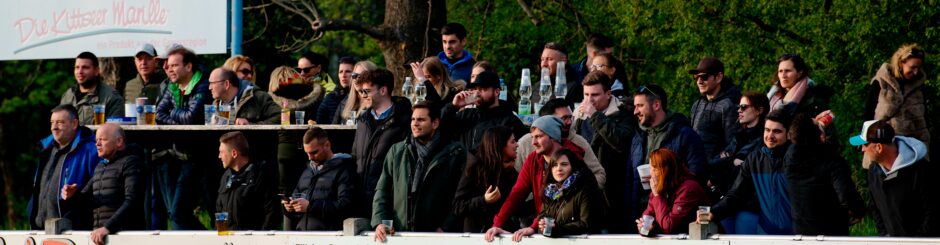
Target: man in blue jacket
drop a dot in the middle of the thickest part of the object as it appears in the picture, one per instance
(68, 158)
(660, 127)
(459, 62)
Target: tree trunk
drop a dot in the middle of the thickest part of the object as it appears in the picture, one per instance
(410, 35)
(8, 195)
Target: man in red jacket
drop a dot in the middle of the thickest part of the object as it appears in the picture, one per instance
(546, 137)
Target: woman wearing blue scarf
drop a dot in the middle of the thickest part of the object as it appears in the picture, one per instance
(571, 197)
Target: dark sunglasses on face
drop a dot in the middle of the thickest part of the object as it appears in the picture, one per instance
(743, 107)
(245, 71)
(364, 91)
(304, 70)
(354, 75)
(703, 76)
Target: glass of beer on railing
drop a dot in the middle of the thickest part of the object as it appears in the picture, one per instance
(150, 114)
(99, 115)
(221, 223)
(224, 112)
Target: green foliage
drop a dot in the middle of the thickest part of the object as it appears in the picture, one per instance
(844, 43)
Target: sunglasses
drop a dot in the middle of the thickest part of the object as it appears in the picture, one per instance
(354, 75)
(245, 71)
(364, 91)
(643, 89)
(703, 76)
(743, 107)
(304, 70)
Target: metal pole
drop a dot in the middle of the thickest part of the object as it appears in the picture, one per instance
(236, 34)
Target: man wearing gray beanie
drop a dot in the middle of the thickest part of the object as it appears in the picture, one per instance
(546, 137)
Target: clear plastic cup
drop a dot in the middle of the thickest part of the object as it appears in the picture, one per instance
(644, 171)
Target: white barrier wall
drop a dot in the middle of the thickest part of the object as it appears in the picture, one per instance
(336, 238)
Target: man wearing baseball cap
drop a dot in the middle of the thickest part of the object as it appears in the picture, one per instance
(715, 114)
(468, 124)
(901, 189)
(149, 82)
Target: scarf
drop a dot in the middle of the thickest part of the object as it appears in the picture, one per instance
(554, 191)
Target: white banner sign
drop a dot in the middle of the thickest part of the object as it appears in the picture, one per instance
(55, 29)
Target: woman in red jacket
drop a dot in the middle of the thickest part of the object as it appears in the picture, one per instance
(675, 195)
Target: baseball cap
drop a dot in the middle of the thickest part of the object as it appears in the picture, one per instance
(874, 131)
(486, 79)
(170, 48)
(710, 65)
(147, 49)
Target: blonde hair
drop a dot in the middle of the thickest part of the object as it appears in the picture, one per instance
(904, 53)
(281, 74)
(352, 99)
(235, 61)
(434, 67)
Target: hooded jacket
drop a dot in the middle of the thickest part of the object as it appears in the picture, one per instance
(186, 108)
(102, 95)
(821, 191)
(254, 105)
(675, 134)
(900, 102)
(903, 198)
(430, 206)
(460, 69)
(78, 165)
(716, 120)
(372, 142)
(331, 190)
(579, 209)
(762, 175)
(529, 182)
(250, 197)
(468, 124)
(116, 192)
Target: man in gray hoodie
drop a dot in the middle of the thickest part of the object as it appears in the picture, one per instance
(903, 201)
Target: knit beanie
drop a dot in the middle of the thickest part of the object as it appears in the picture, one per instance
(550, 125)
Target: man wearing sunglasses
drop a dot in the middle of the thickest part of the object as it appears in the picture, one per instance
(903, 198)
(312, 66)
(714, 114)
(660, 127)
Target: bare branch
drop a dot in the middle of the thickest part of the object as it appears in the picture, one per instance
(262, 6)
(320, 24)
(528, 12)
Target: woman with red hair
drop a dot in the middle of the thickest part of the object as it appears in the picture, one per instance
(675, 194)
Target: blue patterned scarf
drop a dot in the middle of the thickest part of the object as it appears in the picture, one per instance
(553, 192)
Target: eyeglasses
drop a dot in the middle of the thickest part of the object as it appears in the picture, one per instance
(703, 76)
(354, 75)
(743, 107)
(245, 71)
(643, 89)
(596, 66)
(364, 91)
(211, 82)
(305, 70)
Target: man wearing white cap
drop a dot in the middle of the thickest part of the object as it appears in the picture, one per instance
(149, 82)
(902, 194)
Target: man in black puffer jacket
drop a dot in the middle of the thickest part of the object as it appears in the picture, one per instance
(115, 194)
(383, 124)
(248, 189)
(330, 184)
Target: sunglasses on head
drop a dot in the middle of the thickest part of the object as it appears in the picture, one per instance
(644, 89)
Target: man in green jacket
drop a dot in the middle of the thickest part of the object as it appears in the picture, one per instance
(89, 91)
(249, 104)
(422, 203)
